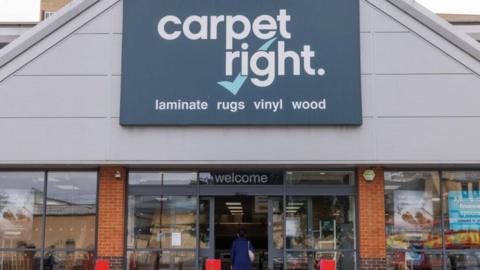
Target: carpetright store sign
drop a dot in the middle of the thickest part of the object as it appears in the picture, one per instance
(241, 62)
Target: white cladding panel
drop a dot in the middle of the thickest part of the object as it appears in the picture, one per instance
(55, 96)
(78, 54)
(419, 105)
(52, 139)
(190, 144)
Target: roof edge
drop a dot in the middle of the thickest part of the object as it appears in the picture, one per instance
(439, 26)
(43, 29)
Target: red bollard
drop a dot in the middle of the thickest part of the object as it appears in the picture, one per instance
(102, 264)
(213, 264)
(327, 265)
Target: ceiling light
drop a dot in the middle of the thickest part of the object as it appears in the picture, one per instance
(236, 211)
(233, 203)
(295, 203)
(235, 207)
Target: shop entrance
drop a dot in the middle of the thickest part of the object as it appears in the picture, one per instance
(259, 216)
(294, 220)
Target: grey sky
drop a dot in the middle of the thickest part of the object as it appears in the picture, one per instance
(29, 10)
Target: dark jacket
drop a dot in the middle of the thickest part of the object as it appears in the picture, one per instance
(239, 255)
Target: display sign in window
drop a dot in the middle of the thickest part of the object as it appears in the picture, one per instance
(464, 210)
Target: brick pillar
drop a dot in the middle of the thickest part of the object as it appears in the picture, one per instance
(371, 207)
(111, 216)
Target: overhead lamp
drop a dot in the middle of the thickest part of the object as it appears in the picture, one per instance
(235, 207)
(233, 203)
(295, 203)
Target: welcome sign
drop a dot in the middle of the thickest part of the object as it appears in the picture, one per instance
(240, 62)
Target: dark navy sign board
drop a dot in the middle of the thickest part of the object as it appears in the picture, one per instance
(241, 62)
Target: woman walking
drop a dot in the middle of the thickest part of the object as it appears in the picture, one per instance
(242, 252)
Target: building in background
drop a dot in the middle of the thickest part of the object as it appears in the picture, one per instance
(49, 7)
(13, 24)
(469, 24)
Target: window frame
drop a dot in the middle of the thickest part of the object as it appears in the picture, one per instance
(443, 252)
(43, 249)
(284, 190)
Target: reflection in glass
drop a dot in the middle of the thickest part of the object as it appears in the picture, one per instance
(157, 260)
(317, 260)
(71, 210)
(464, 260)
(414, 260)
(296, 223)
(204, 223)
(162, 221)
(20, 260)
(56, 260)
(162, 178)
(320, 178)
(461, 203)
(277, 223)
(278, 263)
(326, 222)
(412, 210)
(21, 208)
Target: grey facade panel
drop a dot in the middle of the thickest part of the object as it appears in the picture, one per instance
(424, 95)
(76, 55)
(55, 96)
(26, 140)
(266, 144)
(407, 53)
(445, 139)
(419, 97)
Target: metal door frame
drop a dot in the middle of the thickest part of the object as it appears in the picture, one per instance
(281, 191)
(210, 251)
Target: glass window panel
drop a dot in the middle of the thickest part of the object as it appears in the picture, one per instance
(317, 259)
(464, 260)
(71, 210)
(160, 260)
(162, 221)
(412, 210)
(296, 223)
(461, 202)
(277, 223)
(20, 260)
(162, 178)
(323, 222)
(21, 209)
(204, 223)
(414, 260)
(59, 260)
(320, 178)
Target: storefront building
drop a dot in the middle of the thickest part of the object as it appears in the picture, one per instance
(121, 141)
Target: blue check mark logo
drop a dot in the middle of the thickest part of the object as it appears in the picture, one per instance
(234, 86)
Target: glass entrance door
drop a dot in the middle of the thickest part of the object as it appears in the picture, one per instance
(275, 233)
(206, 230)
(260, 216)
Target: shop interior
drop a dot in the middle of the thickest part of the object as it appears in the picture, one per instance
(241, 212)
